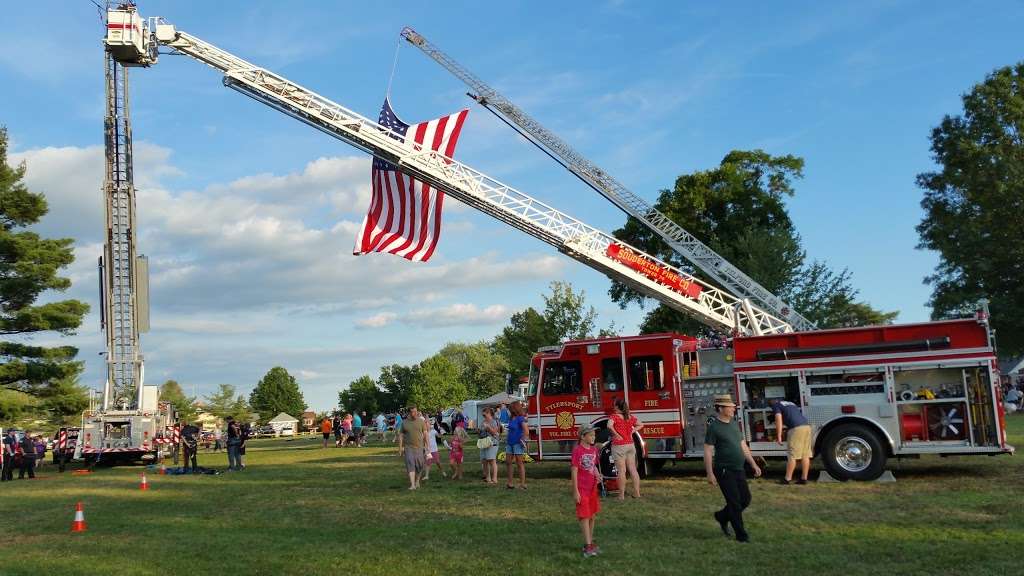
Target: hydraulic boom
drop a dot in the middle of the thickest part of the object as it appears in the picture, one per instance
(684, 243)
(589, 245)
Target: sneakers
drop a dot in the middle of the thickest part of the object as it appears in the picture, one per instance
(784, 482)
(590, 550)
(743, 538)
(801, 481)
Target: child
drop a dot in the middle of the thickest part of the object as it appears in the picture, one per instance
(433, 457)
(455, 452)
(585, 470)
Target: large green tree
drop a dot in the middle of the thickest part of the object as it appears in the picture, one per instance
(481, 370)
(29, 266)
(974, 206)
(437, 385)
(395, 383)
(738, 209)
(361, 394)
(277, 392)
(226, 401)
(170, 391)
(566, 316)
(64, 400)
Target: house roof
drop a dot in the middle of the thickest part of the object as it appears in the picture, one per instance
(282, 417)
(498, 399)
(1018, 368)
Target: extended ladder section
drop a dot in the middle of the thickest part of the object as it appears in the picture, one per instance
(681, 241)
(123, 276)
(570, 236)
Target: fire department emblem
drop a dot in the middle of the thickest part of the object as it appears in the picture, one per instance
(565, 420)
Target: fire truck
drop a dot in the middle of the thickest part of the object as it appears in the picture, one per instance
(870, 393)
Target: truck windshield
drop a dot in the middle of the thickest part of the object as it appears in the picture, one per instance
(534, 377)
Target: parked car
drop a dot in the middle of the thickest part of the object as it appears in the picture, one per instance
(265, 430)
(287, 430)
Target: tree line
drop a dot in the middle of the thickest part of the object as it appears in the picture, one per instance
(973, 219)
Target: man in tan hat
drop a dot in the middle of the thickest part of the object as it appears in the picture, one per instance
(724, 454)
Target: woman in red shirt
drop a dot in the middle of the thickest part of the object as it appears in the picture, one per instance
(623, 452)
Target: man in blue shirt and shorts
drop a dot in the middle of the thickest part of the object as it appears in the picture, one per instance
(799, 438)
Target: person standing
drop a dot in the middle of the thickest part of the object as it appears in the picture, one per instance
(357, 426)
(246, 430)
(585, 474)
(504, 416)
(455, 452)
(382, 426)
(28, 457)
(398, 425)
(515, 447)
(190, 444)
(325, 430)
(218, 437)
(412, 440)
(433, 454)
(489, 431)
(336, 427)
(234, 443)
(724, 454)
(40, 450)
(623, 425)
(798, 437)
(9, 450)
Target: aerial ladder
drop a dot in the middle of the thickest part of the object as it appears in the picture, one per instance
(129, 422)
(681, 241)
(642, 272)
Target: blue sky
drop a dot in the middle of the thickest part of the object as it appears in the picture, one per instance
(248, 217)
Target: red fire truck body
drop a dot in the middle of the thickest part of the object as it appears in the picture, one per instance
(869, 393)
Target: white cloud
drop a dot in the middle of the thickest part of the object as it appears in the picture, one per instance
(457, 315)
(443, 317)
(377, 320)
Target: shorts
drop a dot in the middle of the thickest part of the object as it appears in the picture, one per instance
(589, 506)
(327, 435)
(799, 439)
(433, 458)
(515, 450)
(489, 453)
(414, 461)
(623, 452)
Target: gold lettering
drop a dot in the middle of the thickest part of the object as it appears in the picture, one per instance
(648, 403)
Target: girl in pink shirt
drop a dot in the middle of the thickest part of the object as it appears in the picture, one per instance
(623, 452)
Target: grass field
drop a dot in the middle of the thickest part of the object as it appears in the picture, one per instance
(300, 509)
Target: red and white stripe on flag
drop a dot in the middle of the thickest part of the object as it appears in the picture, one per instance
(404, 218)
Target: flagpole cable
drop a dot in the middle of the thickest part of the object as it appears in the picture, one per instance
(394, 66)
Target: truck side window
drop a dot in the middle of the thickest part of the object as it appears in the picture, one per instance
(646, 373)
(563, 378)
(611, 373)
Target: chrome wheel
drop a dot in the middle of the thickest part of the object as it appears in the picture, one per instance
(853, 453)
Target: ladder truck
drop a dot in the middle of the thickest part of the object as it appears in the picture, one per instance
(675, 236)
(130, 424)
(839, 357)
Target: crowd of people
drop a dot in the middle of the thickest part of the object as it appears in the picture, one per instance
(25, 453)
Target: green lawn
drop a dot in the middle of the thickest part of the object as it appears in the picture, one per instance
(300, 509)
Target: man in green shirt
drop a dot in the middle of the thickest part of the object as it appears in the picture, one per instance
(412, 439)
(724, 454)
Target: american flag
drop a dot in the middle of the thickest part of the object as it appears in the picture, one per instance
(405, 214)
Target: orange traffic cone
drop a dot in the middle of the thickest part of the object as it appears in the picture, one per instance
(79, 524)
(163, 469)
(144, 485)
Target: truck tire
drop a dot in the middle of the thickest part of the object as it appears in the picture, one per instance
(653, 465)
(853, 452)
